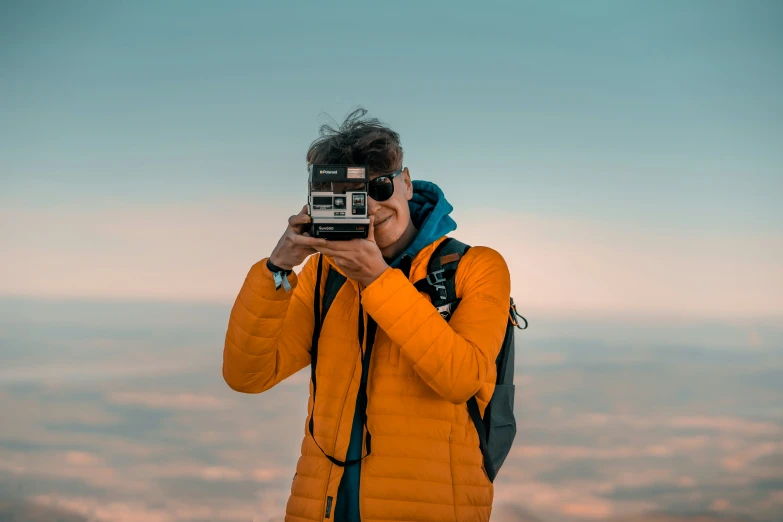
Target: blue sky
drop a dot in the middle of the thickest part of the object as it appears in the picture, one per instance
(663, 117)
(623, 156)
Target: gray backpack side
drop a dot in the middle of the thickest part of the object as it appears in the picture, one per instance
(498, 427)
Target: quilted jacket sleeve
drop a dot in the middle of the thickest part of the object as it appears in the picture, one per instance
(453, 357)
(269, 331)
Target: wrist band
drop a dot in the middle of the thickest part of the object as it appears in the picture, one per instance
(280, 275)
(274, 268)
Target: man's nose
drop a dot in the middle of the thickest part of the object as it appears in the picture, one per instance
(373, 206)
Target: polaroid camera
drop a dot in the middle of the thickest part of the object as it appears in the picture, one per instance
(337, 201)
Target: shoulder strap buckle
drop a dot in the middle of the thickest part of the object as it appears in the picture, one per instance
(437, 282)
(445, 310)
(438, 275)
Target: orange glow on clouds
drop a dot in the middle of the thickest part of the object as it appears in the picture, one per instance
(192, 252)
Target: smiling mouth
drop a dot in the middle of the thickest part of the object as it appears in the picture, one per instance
(382, 222)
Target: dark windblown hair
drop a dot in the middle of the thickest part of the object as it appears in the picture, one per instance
(358, 142)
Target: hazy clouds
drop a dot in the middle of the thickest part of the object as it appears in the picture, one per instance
(609, 427)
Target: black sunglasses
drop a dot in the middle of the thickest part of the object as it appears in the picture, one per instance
(382, 187)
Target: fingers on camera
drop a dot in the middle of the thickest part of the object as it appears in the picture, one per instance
(301, 218)
(307, 240)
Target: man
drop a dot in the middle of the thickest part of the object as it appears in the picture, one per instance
(424, 463)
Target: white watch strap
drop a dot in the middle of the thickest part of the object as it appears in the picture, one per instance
(281, 279)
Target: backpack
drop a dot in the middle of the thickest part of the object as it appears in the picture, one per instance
(497, 429)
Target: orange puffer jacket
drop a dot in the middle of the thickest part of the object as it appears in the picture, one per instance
(425, 463)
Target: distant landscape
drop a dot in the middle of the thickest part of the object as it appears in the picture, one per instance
(116, 411)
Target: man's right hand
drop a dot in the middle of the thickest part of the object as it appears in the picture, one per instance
(291, 251)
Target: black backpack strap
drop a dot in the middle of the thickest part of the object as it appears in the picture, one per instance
(441, 270)
(316, 327)
(334, 281)
(316, 334)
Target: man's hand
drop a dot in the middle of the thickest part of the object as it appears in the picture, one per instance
(292, 248)
(359, 259)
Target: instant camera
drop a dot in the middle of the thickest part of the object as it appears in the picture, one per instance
(337, 201)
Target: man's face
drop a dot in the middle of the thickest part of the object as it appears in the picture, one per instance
(393, 215)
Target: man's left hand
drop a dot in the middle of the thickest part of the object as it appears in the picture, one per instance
(360, 259)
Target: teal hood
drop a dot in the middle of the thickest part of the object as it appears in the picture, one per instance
(430, 215)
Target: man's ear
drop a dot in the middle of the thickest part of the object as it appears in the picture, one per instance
(406, 178)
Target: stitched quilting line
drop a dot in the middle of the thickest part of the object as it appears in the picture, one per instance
(397, 436)
(241, 301)
(377, 477)
(234, 344)
(398, 457)
(414, 338)
(308, 498)
(244, 330)
(425, 502)
(259, 297)
(379, 414)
